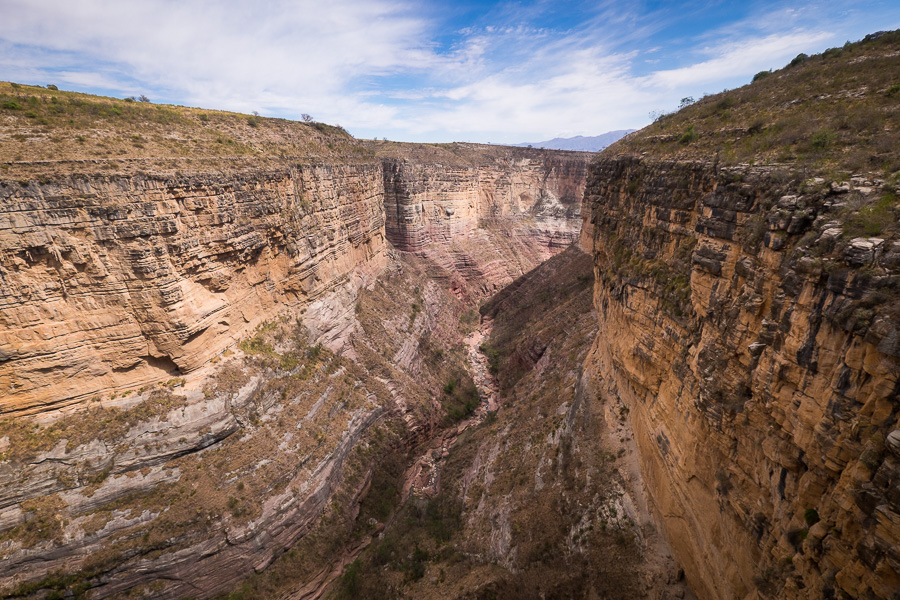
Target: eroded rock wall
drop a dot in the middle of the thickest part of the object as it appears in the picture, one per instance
(142, 448)
(485, 222)
(115, 282)
(755, 343)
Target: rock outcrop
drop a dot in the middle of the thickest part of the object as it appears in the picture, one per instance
(756, 347)
(111, 283)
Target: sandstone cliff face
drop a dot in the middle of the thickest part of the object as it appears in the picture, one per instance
(142, 448)
(113, 283)
(756, 348)
(487, 221)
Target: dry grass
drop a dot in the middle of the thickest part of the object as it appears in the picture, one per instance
(838, 111)
(114, 136)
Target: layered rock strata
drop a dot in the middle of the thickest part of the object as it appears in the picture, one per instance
(184, 492)
(488, 220)
(754, 339)
(112, 283)
(143, 450)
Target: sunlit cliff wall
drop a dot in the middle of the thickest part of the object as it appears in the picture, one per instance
(757, 346)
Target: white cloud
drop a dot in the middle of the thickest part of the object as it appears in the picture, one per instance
(739, 58)
(223, 54)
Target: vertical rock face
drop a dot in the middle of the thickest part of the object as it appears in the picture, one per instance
(757, 350)
(426, 204)
(485, 221)
(115, 282)
(110, 283)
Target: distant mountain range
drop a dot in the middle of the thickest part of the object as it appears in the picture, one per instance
(581, 143)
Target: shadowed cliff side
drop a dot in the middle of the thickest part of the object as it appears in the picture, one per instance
(540, 499)
(483, 215)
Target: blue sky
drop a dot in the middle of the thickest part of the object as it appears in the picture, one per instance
(430, 71)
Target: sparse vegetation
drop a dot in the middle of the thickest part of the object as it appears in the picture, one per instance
(688, 136)
(873, 219)
(813, 113)
(102, 128)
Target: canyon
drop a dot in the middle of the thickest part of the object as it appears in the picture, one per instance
(262, 359)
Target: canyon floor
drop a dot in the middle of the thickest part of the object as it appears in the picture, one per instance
(535, 495)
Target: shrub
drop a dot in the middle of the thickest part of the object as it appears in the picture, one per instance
(761, 75)
(11, 105)
(52, 87)
(726, 102)
(893, 90)
(349, 584)
(873, 219)
(688, 136)
(821, 139)
(799, 59)
(811, 516)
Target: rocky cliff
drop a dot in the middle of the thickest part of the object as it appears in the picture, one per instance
(205, 357)
(749, 322)
(484, 214)
(112, 283)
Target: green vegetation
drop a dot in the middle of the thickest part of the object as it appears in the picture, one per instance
(874, 219)
(811, 516)
(822, 139)
(419, 537)
(688, 136)
(799, 59)
(493, 356)
(460, 400)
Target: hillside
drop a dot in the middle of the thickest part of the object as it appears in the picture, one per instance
(836, 112)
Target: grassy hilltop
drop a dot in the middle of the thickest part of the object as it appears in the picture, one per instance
(836, 111)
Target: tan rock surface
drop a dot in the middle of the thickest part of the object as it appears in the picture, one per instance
(113, 283)
(760, 367)
(202, 458)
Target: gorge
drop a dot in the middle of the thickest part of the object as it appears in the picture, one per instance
(233, 357)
